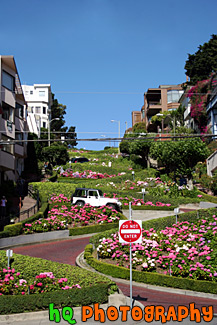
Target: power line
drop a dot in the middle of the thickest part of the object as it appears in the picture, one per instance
(157, 137)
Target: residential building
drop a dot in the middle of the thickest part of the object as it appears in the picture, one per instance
(211, 110)
(136, 117)
(156, 100)
(39, 102)
(13, 123)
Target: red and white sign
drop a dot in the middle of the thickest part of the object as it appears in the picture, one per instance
(130, 231)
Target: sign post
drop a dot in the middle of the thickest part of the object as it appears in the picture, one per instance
(130, 231)
(9, 253)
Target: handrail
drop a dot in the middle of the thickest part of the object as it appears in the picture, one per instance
(17, 216)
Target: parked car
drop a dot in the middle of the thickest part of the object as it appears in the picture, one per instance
(78, 160)
(94, 197)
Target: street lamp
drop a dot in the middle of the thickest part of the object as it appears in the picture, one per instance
(169, 116)
(119, 131)
(162, 121)
(48, 125)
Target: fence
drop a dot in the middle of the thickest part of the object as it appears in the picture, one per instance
(21, 215)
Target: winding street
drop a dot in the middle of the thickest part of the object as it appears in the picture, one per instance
(66, 251)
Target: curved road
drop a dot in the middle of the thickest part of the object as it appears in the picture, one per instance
(66, 251)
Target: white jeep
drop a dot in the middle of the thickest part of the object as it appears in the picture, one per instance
(93, 197)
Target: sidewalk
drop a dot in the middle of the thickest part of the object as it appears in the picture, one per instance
(27, 210)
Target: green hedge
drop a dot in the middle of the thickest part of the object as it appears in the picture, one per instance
(153, 278)
(16, 229)
(208, 197)
(91, 229)
(53, 178)
(191, 216)
(149, 207)
(60, 298)
(150, 278)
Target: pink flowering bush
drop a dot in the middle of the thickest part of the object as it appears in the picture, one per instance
(59, 198)
(198, 95)
(184, 250)
(136, 202)
(11, 283)
(63, 217)
(85, 174)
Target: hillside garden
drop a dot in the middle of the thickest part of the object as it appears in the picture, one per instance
(183, 250)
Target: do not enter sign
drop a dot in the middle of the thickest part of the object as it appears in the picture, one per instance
(130, 231)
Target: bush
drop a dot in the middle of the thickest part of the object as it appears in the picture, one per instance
(61, 298)
(14, 230)
(151, 278)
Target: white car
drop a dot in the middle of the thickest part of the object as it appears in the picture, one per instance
(94, 197)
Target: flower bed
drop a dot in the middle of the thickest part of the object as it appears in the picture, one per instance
(64, 217)
(85, 174)
(12, 283)
(32, 283)
(184, 250)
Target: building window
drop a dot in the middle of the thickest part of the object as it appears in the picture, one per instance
(19, 136)
(44, 110)
(41, 93)
(38, 110)
(7, 147)
(173, 96)
(44, 125)
(8, 112)
(31, 92)
(19, 110)
(8, 81)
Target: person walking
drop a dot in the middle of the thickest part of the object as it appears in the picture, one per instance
(3, 206)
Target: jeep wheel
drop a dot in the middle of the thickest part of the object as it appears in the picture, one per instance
(111, 206)
(80, 203)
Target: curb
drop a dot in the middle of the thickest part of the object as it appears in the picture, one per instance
(82, 264)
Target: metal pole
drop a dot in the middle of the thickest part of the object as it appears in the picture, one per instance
(8, 258)
(48, 133)
(119, 135)
(131, 287)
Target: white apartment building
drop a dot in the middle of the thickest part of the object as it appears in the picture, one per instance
(39, 102)
(13, 123)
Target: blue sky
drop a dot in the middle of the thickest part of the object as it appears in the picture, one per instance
(100, 56)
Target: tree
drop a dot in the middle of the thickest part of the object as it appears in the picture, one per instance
(70, 135)
(58, 111)
(31, 162)
(56, 154)
(136, 148)
(179, 156)
(200, 65)
(139, 128)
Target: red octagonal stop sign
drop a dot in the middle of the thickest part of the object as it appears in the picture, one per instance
(130, 231)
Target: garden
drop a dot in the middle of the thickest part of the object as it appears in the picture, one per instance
(30, 284)
(184, 251)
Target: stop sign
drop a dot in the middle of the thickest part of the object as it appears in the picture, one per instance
(130, 231)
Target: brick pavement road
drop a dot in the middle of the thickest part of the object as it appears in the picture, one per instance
(66, 251)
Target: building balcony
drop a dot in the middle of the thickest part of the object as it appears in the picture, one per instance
(20, 124)
(7, 128)
(8, 97)
(7, 161)
(19, 150)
